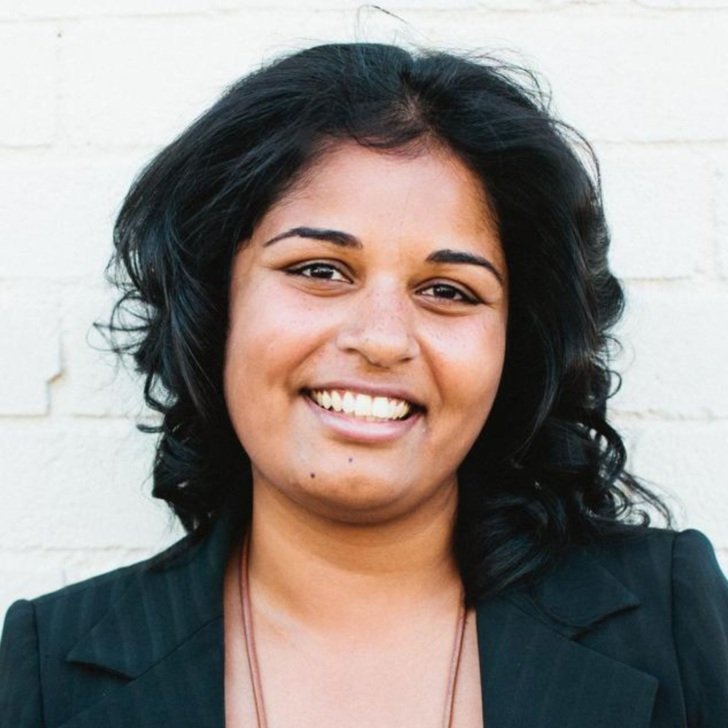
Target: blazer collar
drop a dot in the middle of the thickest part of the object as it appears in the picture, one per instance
(170, 599)
(535, 673)
(166, 635)
(578, 594)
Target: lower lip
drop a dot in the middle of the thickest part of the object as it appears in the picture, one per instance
(356, 429)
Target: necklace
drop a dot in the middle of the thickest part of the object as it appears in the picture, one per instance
(253, 658)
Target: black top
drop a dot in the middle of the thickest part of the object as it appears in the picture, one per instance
(628, 634)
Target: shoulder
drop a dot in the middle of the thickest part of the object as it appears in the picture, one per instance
(193, 565)
(70, 611)
(19, 668)
(110, 583)
(664, 569)
(114, 625)
(113, 580)
(652, 559)
(678, 629)
(190, 572)
(64, 652)
(700, 628)
(650, 583)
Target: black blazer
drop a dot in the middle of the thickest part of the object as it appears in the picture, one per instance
(630, 634)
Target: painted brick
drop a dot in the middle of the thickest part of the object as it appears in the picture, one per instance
(30, 351)
(24, 576)
(93, 382)
(356, 6)
(163, 74)
(56, 215)
(683, 4)
(658, 204)
(722, 555)
(27, 85)
(79, 564)
(48, 9)
(37, 571)
(123, 78)
(615, 76)
(675, 351)
(179, 66)
(686, 461)
(84, 483)
(720, 194)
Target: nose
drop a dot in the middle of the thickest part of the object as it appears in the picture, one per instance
(380, 327)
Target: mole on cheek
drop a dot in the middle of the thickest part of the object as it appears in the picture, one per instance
(313, 475)
(351, 460)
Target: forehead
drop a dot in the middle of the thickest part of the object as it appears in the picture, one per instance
(360, 189)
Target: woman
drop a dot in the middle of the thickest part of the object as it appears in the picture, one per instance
(369, 293)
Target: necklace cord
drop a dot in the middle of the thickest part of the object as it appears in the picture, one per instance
(455, 664)
(253, 658)
(250, 639)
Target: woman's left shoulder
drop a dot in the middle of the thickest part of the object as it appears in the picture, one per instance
(678, 558)
(664, 568)
(679, 583)
(652, 603)
(693, 552)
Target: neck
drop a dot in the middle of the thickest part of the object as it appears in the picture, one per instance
(305, 569)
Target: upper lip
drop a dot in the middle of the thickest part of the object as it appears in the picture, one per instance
(373, 390)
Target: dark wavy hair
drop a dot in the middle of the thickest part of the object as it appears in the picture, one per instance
(547, 470)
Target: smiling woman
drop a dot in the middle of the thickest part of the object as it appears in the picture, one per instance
(370, 296)
(396, 306)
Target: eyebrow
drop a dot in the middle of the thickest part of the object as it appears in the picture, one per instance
(460, 256)
(346, 240)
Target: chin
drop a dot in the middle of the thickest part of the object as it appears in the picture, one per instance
(351, 500)
(367, 499)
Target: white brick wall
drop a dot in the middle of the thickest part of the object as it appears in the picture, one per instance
(91, 88)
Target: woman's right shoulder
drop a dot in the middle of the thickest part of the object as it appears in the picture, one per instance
(67, 613)
(90, 596)
(108, 583)
(55, 621)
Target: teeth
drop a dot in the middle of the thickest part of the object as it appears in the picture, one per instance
(400, 410)
(362, 405)
(381, 408)
(348, 403)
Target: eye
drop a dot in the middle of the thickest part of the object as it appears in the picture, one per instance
(318, 270)
(447, 292)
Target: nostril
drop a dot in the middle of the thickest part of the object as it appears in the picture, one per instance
(380, 346)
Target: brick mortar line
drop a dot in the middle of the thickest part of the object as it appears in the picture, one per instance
(576, 10)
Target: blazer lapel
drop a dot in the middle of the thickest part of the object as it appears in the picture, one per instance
(184, 689)
(166, 635)
(533, 673)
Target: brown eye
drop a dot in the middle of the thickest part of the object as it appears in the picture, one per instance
(446, 292)
(320, 271)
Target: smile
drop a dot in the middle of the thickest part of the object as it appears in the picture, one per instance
(364, 406)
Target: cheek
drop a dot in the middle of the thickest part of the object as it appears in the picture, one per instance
(270, 342)
(471, 368)
(254, 399)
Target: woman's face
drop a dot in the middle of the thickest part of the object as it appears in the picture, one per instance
(367, 333)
